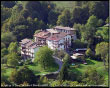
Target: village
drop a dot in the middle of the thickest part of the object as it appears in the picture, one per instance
(56, 38)
(54, 43)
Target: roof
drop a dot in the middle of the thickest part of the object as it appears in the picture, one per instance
(64, 28)
(24, 41)
(57, 37)
(52, 31)
(30, 44)
(42, 34)
(34, 46)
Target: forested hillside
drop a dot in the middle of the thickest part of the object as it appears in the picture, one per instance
(21, 19)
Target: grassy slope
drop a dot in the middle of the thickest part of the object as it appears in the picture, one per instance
(97, 64)
(35, 68)
(64, 4)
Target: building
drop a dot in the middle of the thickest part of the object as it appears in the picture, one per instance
(40, 38)
(59, 41)
(56, 38)
(70, 31)
(28, 48)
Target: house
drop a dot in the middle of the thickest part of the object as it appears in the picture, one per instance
(40, 38)
(28, 48)
(59, 41)
(70, 31)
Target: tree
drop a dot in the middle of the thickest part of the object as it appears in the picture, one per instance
(89, 52)
(64, 18)
(13, 47)
(63, 74)
(107, 20)
(43, 80)
(22, 75)
(4, 52)
(102, 49)
(7, 38)
(80, 15)
(103, 33)
(13, 59)
(90, 28)
(100, 22)
(44, 57)
(99, 9)
(92, 77)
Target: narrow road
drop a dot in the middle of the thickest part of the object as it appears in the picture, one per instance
(59, 62)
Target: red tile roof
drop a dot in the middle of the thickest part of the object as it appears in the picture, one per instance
(42, 34)
(57, 37)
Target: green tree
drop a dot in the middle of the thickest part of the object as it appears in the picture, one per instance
(100, 22)
(80, 15)
(7, 38)
(4, 52)
(44, 57)
(104, 33)
(92, 77)
(43, 80)
(99, 9)
(89, 53)
(107, 20)
(90, 28)
(64, 18)
(13, 59)
(13, 47)
(102, 49)
(63, 74)
(21, 75)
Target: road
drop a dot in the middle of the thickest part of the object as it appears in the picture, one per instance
(59, 62)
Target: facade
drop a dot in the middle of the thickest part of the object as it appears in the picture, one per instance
(28, 48)
(60, 41)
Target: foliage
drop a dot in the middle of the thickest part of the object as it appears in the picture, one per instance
(102, 49)
(107, 20)
(89, 53)
(7, 38)
(90, 29)
(4, 52)
(63, 74)
(64, 18)
(21, 75)
(13, 47)
(100, 22)
(43, 80)
(78, 44)
(80, 15)
(13, 59)
(44, 57)
(92, 77)
(104, 33)
(99, 9)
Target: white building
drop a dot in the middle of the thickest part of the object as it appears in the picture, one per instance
(60, 41)
(28, 48)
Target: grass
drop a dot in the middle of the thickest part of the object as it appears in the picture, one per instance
(65, 4)
(93, 63)
(37, 70)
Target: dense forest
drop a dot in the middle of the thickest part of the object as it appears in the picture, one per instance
(21, 19)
